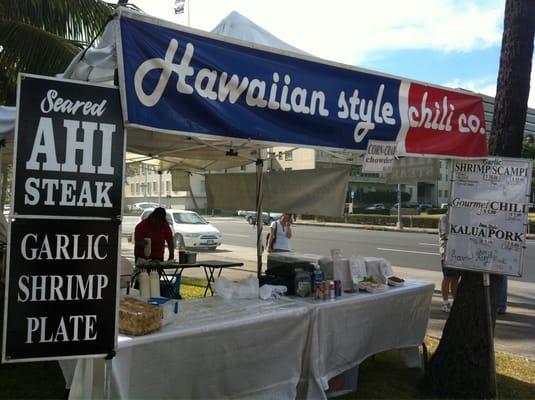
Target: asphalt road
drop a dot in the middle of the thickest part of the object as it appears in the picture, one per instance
(403, 249)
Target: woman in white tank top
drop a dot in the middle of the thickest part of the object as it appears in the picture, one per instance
(280, 233)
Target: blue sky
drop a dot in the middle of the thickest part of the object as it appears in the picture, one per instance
(454, 43)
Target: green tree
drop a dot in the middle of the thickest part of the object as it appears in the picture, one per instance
(42, 36)
(463, 364)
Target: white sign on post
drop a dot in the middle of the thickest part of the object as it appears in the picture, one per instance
(379, 156)
(488, 216)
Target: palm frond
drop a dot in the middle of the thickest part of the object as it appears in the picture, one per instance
(28, 49)
(72, 19)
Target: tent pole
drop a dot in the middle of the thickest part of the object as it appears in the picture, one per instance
(259, 219)
(160, 187)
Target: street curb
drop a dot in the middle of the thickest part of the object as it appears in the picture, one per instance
(379, 227)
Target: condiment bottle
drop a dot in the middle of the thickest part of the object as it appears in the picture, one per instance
(302, 282)
(154, 283)
(147, 248)
(144, 284)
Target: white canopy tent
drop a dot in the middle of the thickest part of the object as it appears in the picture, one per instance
(195, 134)
(170, 151)
(99, 64)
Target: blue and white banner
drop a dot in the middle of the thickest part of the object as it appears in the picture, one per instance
(174, 80)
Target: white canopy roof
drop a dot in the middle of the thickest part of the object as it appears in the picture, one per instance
(99, 63)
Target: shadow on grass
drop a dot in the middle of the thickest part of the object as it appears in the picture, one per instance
(35, 380)
(385, 376)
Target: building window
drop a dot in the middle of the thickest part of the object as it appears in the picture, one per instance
(445, 193)
(168, 186)
(155, 187)
(288, 156)
(243, 167)
(132, 188)
(280, 155)
(410, 191)
(440, 193)
(137, 188)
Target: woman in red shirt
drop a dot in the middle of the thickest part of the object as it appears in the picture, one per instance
(158, 230)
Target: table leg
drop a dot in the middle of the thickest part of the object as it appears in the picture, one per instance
(169, 283)
(209, 273)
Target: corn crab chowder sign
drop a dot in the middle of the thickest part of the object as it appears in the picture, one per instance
(62, 261)
(379, 157)
(174, 79)
(488, 217)
(69, 152)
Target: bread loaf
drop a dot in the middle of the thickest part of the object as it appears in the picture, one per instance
(138, 318)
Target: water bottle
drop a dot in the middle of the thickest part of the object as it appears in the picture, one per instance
(144, 284)
(154, 278)
(318, 275)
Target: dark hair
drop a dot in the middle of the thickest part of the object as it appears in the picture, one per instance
(158, 215)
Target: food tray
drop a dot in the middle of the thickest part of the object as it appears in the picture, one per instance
(372, 287)
(395, 281)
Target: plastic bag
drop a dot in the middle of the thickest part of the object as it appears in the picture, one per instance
(244, 289)
(272, 291)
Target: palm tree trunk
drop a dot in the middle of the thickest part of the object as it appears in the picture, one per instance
(462, 365)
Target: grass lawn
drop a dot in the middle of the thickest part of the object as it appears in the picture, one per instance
(383, 376)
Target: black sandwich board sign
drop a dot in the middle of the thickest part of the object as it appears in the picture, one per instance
(62, 289)
(62, 261)
(69, 149)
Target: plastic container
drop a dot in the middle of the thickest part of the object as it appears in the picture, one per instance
(303, 283)
(144, 284)
(154, 283)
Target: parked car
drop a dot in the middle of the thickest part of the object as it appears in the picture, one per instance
(144, 205)
(242, 213)
(267, 217)
(190, 230)
(424, 206)
(376, 206)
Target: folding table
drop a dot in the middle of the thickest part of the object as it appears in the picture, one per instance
(210, 266)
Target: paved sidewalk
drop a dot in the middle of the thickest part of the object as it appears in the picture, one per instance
(378, 227)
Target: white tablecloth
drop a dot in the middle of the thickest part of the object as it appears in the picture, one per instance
(349, 329)
(216, 348)
(260, 349)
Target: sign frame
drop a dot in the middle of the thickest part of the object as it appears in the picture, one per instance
(116, 151)
(490, 231)
(111, 220)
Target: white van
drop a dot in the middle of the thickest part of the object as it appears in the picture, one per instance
(190, 230)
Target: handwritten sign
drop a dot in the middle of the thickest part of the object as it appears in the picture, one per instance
(379, 156)
(489, 215)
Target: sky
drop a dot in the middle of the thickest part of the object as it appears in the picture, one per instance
(453, 43)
